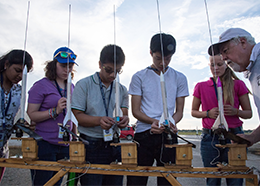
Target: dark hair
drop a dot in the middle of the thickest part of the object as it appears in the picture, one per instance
(168, 41)
(107, 55)
(16, 57)
(50, 70)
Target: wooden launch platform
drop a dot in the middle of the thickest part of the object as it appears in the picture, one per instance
(183, 167)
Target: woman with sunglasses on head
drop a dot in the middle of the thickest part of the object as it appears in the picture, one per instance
(47, 108)
(11, 72)
(235, 94)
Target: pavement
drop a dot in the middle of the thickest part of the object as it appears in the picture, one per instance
(20, 177)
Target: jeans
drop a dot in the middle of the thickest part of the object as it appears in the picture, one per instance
(150, 147)
(100, 152)
(210, 156)
(48, 152)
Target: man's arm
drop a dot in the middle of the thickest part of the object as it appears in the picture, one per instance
(177, 116)
(253, 137)
(136, 110)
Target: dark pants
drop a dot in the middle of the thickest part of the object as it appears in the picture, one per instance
(48, 152)
(150, 147)
(100, 152)
(209, 151)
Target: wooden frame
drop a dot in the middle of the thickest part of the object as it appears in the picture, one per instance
(182, 169)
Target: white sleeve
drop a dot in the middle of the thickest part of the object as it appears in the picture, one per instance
(135, 87)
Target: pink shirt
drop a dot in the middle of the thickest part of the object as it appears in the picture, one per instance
(205, 91)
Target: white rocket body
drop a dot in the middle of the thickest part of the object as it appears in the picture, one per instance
(166, 118)
(117, 113)
(69, 115)
(21, 114)
(220, 122)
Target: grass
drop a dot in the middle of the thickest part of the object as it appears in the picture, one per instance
(187, 133)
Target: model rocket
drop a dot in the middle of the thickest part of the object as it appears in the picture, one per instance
(21, 114)
(69, 115)
(220, 122)
(117, 111)
(166, 118)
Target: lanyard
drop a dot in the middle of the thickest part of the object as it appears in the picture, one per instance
(3, 109)
(65, 93)
(215, 86)
(103, 94)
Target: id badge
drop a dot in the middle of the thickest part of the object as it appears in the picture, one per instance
(108, 134)
(61, 132)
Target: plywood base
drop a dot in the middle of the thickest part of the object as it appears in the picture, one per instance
(29, 148)
(128, 153)
(237, 155)
(183, 154)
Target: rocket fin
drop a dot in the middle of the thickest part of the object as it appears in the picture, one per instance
(171, 119)
(217, 122)
(18, 116)
(27, 118)
(162, 119)
(73, 119)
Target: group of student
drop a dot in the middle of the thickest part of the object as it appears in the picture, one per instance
(93, 103)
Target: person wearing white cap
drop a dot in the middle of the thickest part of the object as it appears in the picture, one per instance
(239, 49)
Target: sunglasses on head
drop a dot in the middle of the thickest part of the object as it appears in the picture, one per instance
(66, 55)
(110, 70)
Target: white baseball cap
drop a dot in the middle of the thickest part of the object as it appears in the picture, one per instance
(226, 36)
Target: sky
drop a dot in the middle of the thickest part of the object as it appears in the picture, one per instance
(92, 27)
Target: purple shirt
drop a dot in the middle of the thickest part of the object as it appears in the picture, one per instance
(205, 91)
(44, 92)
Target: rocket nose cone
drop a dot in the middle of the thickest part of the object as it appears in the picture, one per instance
(69, 76)
(219, 83)
(25, 69)
(117, 77)
(161, 77)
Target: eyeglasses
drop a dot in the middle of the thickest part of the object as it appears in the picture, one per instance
(66, 55)
(110, 70)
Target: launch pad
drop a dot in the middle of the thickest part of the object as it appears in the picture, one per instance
(183, 168)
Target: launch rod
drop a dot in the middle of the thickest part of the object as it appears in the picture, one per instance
(117, 108)
(210, 35)
(114, 40)
(215, 79)
(68, 102)
(163, 87)
(26, 31)
(159, 21)
(24, 79)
